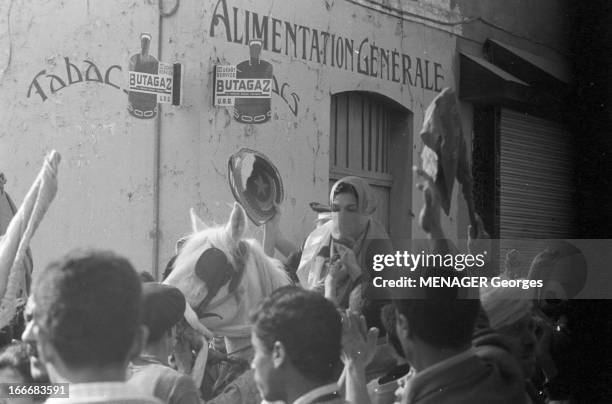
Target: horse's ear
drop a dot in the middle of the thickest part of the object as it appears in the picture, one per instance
(237, 223)
(197, 224)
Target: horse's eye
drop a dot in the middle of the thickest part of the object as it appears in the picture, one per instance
(211, 261)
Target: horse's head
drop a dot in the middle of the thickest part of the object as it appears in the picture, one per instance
(223, 275)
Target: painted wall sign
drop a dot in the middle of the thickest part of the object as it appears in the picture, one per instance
(151, 82)
(362, 56)
(283, 90)
(159, 84)
(74, 76)
(165, 85)
(247, 87)
(143, 104)
(228, 87)
(291, 98)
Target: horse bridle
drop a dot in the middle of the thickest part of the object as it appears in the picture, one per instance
(214, 268)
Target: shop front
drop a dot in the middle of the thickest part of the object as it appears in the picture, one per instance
(524, 155)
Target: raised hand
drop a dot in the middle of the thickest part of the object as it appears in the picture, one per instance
(275, 221)
(478, 240)
(349, 261)
(271, 231)
(358, 349)
(273, 237)
(429, 217)
(336, 274)
(358, 343)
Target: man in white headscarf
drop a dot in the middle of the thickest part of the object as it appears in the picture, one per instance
(509, 311)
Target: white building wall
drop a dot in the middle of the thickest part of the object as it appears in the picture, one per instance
(107, 176)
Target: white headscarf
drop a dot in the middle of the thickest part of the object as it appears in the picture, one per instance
(505, 305)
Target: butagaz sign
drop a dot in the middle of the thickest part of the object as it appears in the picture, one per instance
(228, 87)
(247, 87)
(151, 82)
(159, 84)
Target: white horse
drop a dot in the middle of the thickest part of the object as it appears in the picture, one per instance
(223, 277)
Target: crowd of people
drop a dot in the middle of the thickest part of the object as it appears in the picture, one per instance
(117, 336)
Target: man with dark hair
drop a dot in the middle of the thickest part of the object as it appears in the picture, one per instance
(163, 307)
(442, 317)
(86, 323)
(297, 341)
(435, 327)
(436, 335)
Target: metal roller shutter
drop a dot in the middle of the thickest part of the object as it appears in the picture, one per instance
(536, 180)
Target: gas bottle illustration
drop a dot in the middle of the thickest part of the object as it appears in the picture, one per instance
(143, 105)
(253, 110)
